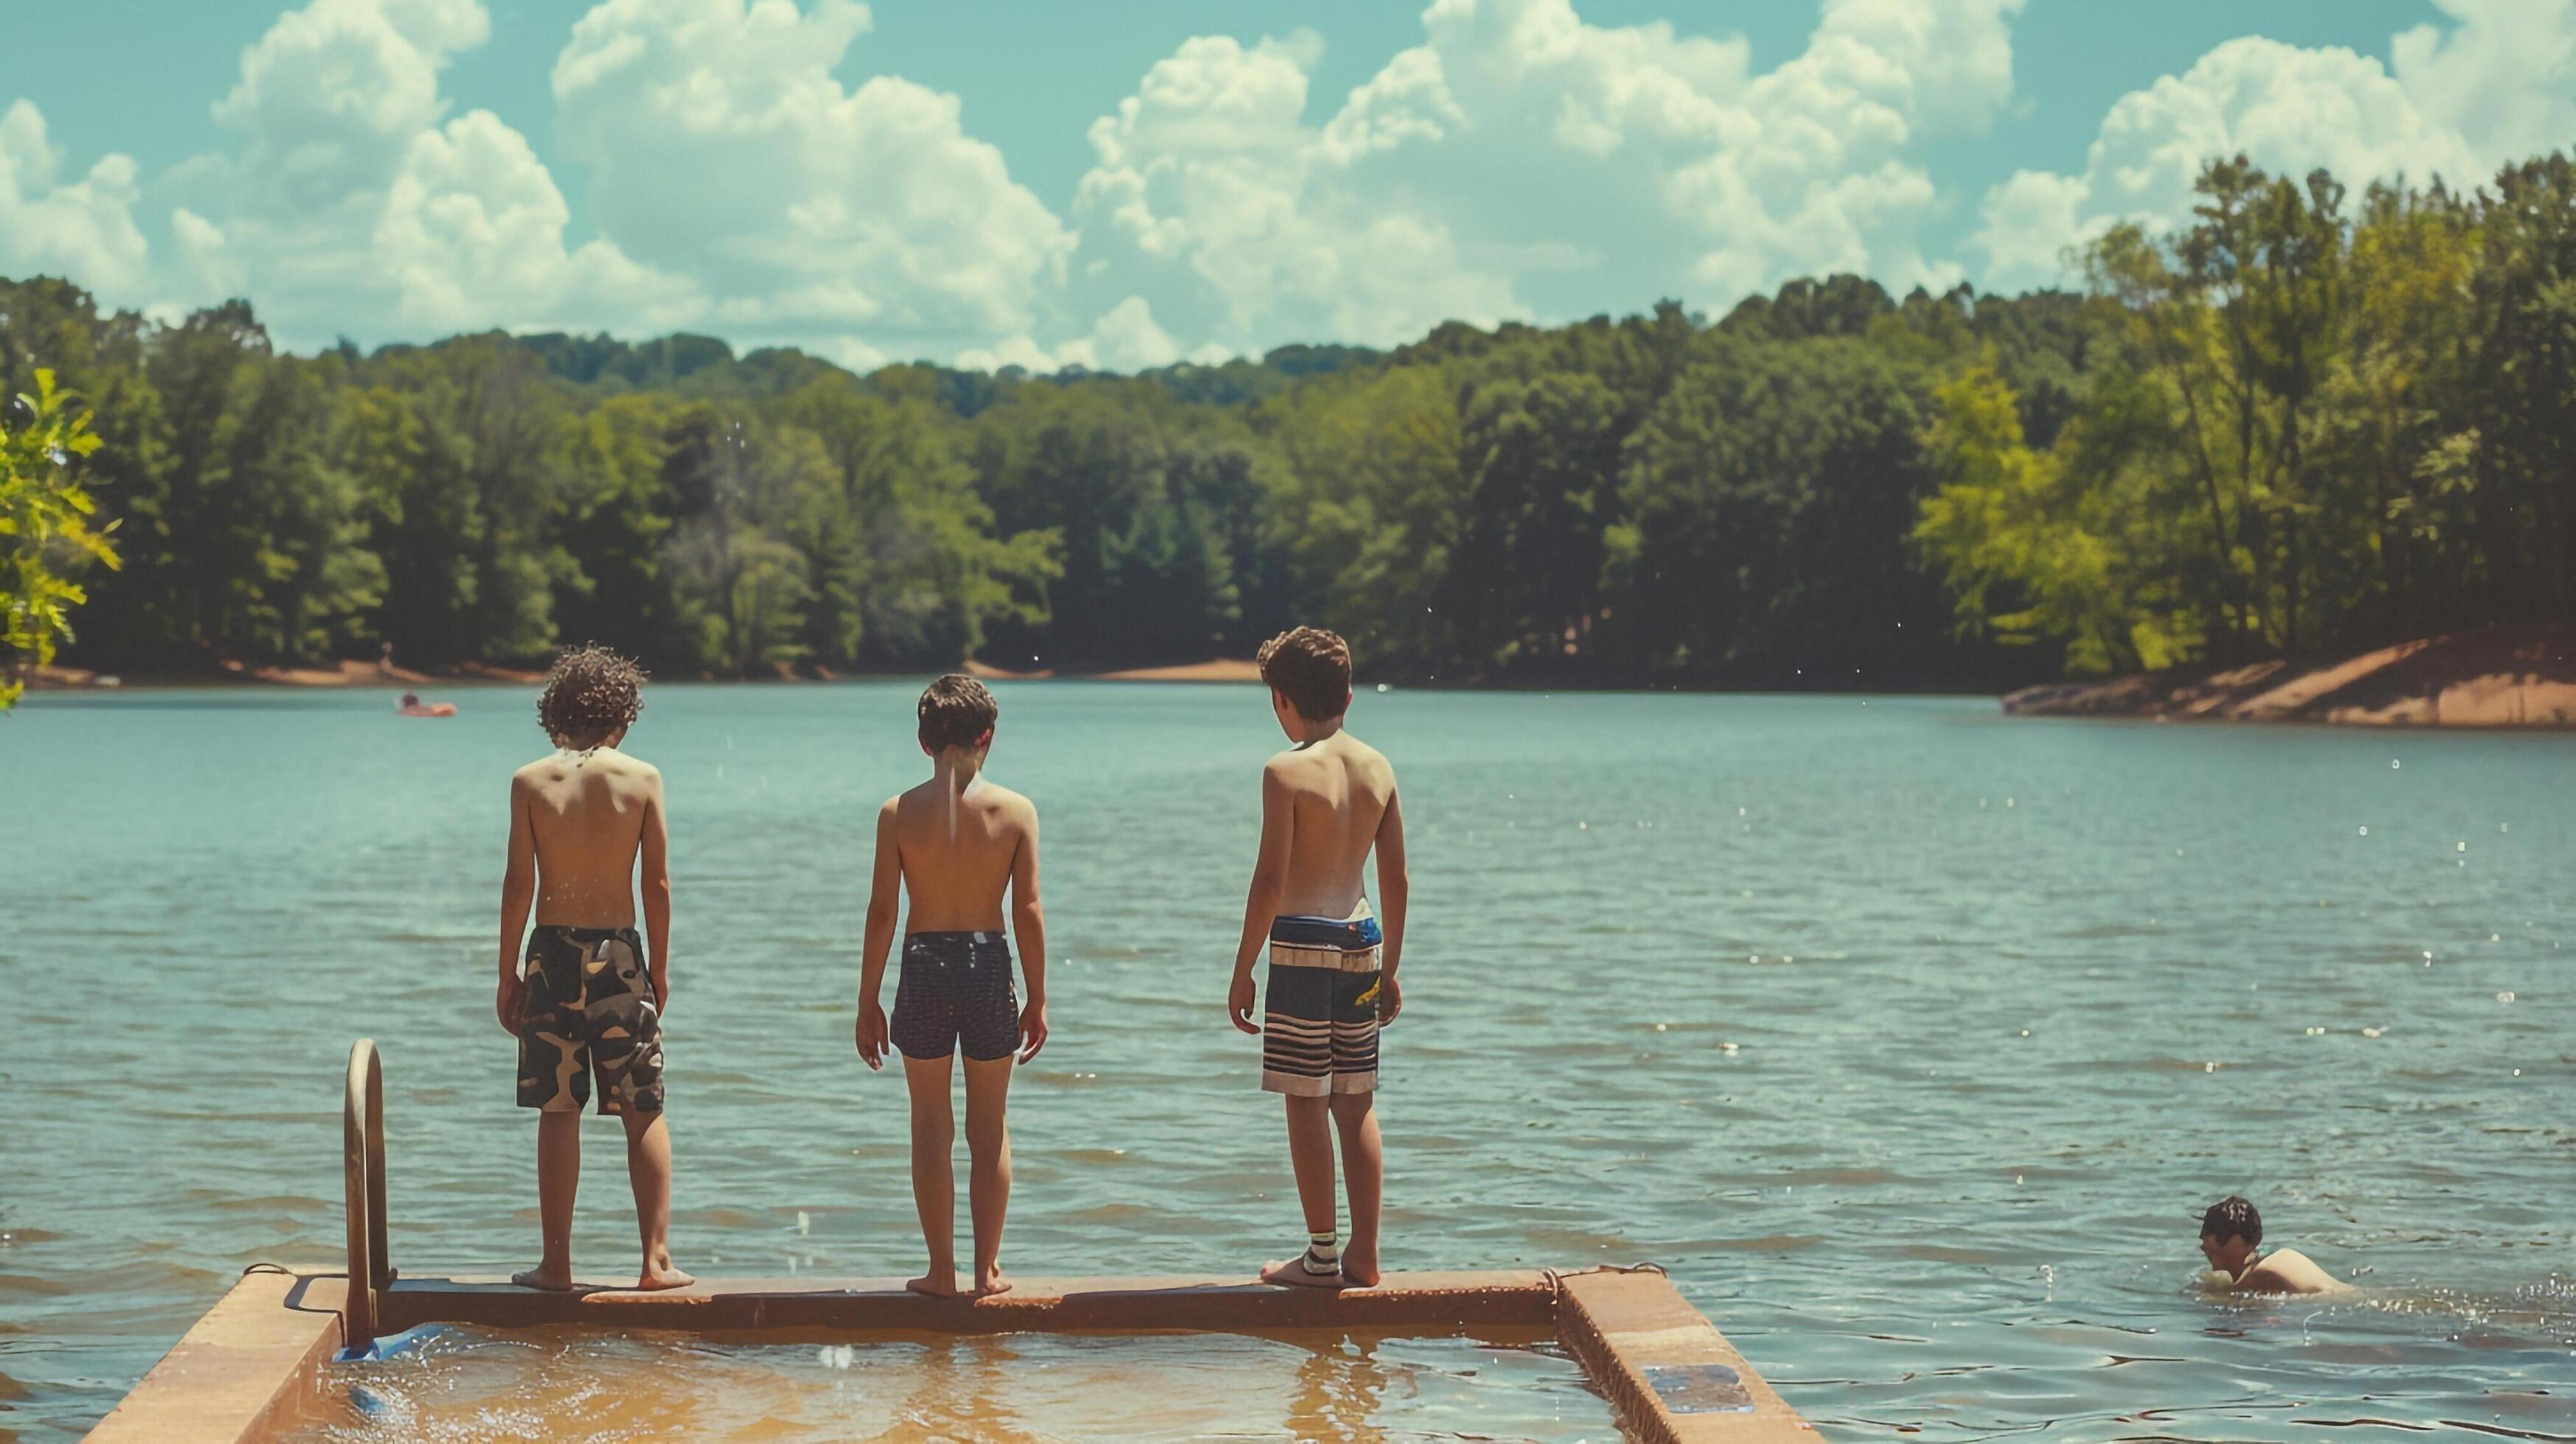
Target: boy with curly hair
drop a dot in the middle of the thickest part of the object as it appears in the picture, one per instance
(590, 1001)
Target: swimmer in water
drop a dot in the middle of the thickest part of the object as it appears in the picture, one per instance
(2229, 1231)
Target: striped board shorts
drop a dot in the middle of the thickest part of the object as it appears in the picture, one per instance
(1319, 1012)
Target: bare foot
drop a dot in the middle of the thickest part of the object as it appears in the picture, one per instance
(665, 1277)
(991, 1282)
(1359, 1268)
(542, 1278)
(1293, 1272)
(936, 1283)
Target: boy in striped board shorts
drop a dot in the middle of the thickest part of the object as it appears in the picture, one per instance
(1326, 804)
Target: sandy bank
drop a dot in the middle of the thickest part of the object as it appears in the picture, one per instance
(2509, 676)
(347, 673)
(1218, 669)
(354, 673)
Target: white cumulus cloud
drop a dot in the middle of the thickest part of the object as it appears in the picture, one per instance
(1521, 161)
(2499, 85)
(472, 233)
(349, 204)
(721, 144)
(743, 171)
(80, 229)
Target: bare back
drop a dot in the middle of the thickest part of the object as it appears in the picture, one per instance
(959, 850)
(2288, 1271)
(1339, 789)
(589, 814)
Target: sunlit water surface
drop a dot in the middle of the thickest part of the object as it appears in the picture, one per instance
(1902, 1034)
(1114, 1389)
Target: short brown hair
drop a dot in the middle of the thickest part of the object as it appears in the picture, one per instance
(1312, 669)
(956, 711)
(2232, 1217)
(591, 694)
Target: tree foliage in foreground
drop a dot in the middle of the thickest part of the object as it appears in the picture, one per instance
(2306, 421)
(45, 531)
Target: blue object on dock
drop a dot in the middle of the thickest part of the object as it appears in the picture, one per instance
(1699, 1388)
(391, 1345)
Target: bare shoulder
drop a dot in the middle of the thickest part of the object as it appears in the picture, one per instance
(2288, 1271)
(625, 764)
(1369, 759)
(1294, 767)
(1010, 806)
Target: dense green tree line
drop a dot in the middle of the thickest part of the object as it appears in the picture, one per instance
(2308, 423)
(2303, 422)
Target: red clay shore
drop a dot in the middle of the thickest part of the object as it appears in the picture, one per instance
(354, 673)
(2522, 675)
(1216, 669)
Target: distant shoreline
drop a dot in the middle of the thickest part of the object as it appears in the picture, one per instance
(357, 675)
(2498, 677)
(2517, 676)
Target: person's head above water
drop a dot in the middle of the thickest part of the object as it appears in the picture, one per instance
(957, 715)
(2229, 1230)
(1309, 672)
(411, 699)
(591, 697)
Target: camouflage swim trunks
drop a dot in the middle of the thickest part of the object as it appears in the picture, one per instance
(585, 1005)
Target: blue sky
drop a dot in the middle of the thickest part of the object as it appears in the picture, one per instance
(1129, 185)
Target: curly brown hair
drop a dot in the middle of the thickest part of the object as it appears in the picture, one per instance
(592, 694)
(956, 711)
(1310, 667)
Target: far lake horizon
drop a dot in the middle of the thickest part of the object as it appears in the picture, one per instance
(1905, 1035)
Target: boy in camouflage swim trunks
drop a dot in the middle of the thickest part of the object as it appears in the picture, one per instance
(590, 1002)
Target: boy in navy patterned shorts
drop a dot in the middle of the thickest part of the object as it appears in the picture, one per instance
(953, 846)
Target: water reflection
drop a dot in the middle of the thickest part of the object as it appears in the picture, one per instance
(1938, 1183)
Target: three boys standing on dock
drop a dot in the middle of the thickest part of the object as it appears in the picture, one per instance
(586, 819)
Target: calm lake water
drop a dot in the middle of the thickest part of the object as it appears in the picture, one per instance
(1904, 1035)
(1083, 1389)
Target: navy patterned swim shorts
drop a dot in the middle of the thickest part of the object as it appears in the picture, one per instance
(956, 991)
(585, 1006)
(1319, 1012)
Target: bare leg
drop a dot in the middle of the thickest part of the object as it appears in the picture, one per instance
(988, 1144)
(1364, 1164)
(648, 1167)
(934, 1180)
(558, 1176)
(1310, 1154)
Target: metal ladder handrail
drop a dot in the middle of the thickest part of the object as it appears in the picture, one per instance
(362, 1144)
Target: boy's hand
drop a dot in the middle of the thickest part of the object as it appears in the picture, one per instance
(872, 1034)
(1033, 1030)
(1238, 1003)
(1390, 1000)
(505, 1004)
(661, 981)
